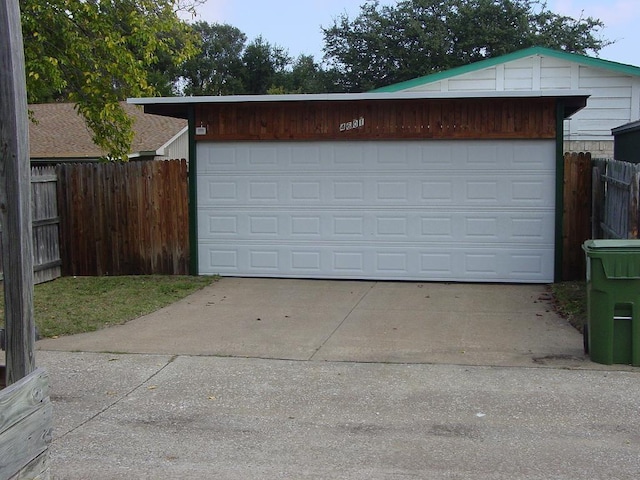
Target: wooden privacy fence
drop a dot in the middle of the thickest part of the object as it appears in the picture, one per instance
(124, 218)
(601, 199)
(615, 199)
(45, 225)
(576, 214)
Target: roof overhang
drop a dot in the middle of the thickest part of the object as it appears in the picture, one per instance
(178, 107)
(75, 158)
(63, 159)
(626, 128)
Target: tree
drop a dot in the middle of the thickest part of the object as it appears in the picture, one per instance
(307, 76)
(96, 53)
(217, 67)
(389, 44)
(264, 66)
(226, 65)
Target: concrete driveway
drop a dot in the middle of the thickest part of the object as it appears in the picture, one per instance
(344, 381)
(350, 321)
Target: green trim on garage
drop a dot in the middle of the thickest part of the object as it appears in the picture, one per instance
(559, 244)
(193, 194)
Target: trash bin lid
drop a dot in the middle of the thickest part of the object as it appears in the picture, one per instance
(620, 258)
(617, 245)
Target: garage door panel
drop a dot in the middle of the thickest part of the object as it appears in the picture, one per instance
(381, 225)
(438, 210)
(439, 191)
(534, 190)
(306, 225)
(467, 188)
(529, 190)
(394, 155)
(348, 191)
(496, 156)
(438, 155)
(437, 263)
(214, 191)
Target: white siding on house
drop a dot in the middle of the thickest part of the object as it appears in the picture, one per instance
(556, 74)
(176, 148)
(556, 78)
(518, 76)
(431, 87)
(482, 80)
(614, 97)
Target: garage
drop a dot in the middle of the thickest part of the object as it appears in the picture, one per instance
(422, 187)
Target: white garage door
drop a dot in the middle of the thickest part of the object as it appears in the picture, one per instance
(476, 211)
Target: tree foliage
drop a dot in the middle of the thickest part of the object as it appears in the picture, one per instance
(96, 53)
(388, 44)
(264, 66)
(307, 76)
(216, 69)
(227, 65)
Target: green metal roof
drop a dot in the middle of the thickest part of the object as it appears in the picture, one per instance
(528, 52)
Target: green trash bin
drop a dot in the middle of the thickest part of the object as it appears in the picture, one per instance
(612, 334)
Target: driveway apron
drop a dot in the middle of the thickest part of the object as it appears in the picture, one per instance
(354, 321)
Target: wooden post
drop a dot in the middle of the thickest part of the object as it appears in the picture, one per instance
(599, 168)
(634, 203)
(15, 197)
(577, 213)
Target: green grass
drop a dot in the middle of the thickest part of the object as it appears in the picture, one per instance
(570, 299)
(70, 305)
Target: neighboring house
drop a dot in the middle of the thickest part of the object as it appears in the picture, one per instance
(383, 186)
(614, 89)
(60, 134)
(627, 142)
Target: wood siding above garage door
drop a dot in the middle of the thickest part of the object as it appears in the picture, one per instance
(453, 210)
(494, 118)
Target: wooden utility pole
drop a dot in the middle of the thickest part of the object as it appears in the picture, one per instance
(15, 197)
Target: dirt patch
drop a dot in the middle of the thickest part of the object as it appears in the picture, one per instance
(570, 302)
(555, 359)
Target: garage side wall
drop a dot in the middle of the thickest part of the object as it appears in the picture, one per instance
(509, 118)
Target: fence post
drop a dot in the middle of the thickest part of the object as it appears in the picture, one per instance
(576, 213)
(15, 198)
(597, 197)
(633, 203)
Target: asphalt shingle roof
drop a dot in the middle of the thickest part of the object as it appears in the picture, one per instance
(60, 132)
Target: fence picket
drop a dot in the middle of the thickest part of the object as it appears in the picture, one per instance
(125, 219)
(45, 225)
(615, 200)
(634, 211)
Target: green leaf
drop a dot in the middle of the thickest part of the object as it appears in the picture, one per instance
(97, 53)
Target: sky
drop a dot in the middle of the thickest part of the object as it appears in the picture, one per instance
(296, 24)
